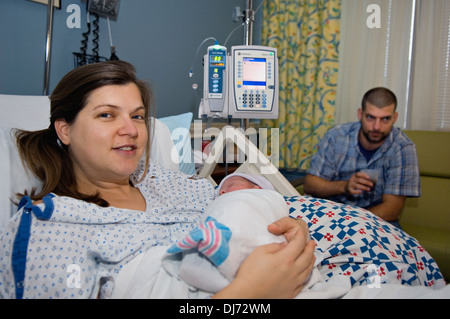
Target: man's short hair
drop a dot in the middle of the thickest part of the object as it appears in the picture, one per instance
(380, 97)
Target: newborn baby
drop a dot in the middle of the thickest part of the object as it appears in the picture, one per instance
(234, 224)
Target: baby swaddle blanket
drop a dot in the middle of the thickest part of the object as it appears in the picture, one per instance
(235, 224)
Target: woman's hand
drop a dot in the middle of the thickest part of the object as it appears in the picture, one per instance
(288, 227)
(275, 270)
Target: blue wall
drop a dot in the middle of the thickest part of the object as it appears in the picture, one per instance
(160, 37)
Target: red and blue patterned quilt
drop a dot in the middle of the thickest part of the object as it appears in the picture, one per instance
(355, 244)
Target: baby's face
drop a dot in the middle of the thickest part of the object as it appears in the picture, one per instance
(237, 183)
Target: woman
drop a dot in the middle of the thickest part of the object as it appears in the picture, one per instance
(96, 211)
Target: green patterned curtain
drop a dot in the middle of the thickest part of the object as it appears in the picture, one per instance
(306, 35)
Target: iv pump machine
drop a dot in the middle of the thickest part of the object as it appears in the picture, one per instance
(243, 84)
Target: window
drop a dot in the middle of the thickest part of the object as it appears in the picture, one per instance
(408, 51)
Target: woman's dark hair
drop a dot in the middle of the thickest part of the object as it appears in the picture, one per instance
(40, 150)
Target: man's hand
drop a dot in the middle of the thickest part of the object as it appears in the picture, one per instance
(358, 183)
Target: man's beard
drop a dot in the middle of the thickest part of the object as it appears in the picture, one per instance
(379, 139)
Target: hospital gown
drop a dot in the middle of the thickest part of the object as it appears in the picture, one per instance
(76, 249)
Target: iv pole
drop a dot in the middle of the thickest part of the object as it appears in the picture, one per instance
(248, 27)
(48, 46)
(248, 39)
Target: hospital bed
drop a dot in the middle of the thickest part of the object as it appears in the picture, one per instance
(359, 255)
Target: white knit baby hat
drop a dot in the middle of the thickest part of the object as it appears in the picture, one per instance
(256, 179)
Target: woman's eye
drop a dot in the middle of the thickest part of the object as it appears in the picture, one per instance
(105, 115)
(138, 117)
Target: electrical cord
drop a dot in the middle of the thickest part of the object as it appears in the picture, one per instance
(113, 48)
(84, 41)
(191, 70)
(232, 31)
(95, 32)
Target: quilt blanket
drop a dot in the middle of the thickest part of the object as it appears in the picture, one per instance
(354, 244)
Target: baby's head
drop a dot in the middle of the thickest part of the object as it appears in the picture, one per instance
(238, 181)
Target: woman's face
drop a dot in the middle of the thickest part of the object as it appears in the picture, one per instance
(108, 137)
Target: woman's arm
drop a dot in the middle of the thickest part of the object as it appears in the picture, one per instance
(275, 270)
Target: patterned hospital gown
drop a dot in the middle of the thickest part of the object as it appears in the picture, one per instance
(76, 249)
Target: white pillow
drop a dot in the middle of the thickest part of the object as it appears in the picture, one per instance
(18, 111)
(163, 149)
(180, 126)
(14, 177)
(29, 112)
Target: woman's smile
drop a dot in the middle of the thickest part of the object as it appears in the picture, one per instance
(126, 150)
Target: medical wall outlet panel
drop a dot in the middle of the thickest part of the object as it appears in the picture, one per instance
(215, 79)
(242, 85)
(253, 82)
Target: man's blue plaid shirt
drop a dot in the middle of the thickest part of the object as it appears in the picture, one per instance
(338, 157)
